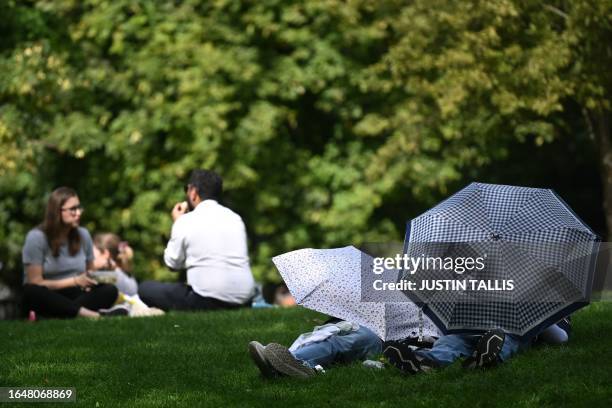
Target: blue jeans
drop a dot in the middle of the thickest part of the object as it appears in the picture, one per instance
(553, 335)
(451, 347)
(356, 345)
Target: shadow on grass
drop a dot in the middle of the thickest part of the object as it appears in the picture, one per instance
(201, 359)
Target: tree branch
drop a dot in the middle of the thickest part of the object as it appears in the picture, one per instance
(557, 11)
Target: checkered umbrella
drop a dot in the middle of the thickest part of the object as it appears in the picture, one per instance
(532, 260)
(329, 281)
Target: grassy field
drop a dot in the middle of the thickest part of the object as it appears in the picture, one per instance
(200, 359)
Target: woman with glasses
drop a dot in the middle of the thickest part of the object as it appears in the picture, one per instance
(56, 257)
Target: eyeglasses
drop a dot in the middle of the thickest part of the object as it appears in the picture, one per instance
(75, 209)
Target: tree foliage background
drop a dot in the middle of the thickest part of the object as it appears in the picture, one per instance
(331, 121)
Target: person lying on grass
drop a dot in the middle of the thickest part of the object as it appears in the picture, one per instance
(480, 351)
(337, 341)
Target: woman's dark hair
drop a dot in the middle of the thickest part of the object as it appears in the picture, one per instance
(52, 225)
(207, 183)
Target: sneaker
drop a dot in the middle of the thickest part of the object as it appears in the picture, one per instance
(281, 359)
(256, 351)
(117, 310)
(425, 342)
(401, 356)
(486, 353)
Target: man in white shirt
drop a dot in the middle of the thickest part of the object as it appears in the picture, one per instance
(209, 241)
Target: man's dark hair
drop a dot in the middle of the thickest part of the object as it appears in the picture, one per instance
(207, 183)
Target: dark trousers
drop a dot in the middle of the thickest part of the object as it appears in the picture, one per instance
(179, 296)
(67, 302)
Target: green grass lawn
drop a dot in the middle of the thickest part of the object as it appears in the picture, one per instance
(201, 359)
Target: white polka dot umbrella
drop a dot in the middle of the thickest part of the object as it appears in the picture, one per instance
(329, 281)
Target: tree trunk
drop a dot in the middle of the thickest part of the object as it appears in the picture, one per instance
(601, 127)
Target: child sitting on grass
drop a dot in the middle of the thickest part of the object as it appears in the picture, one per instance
(113, 255)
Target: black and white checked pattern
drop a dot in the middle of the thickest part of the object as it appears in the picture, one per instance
(529, 235)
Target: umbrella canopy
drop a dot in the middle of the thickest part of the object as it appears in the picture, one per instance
(537, 257)
(329, 281)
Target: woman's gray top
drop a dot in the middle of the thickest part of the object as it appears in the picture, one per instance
(36, 251)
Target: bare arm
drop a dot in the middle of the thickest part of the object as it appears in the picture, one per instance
(34, 275)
